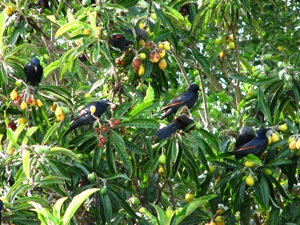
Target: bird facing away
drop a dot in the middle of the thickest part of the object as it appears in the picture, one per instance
(86, 117)
(119, 41)
(178, 123)
(1, 206)
(245, 135)
(255, 146)
(33, 72)
(187, 98)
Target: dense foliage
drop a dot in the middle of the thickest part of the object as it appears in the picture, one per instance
(243, 54)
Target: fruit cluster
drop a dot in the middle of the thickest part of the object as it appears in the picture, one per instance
(219, 220)
(273, 135)
(22, 101)
(9, 9)
(60, 115)
(226, 39)
(104, 129)
(294, 143)
(156, 55)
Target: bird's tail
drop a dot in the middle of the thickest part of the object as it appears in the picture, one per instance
(79, 122)
(167, 131)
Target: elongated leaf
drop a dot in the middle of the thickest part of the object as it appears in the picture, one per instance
(191, 207)
(2, 27)
(160, 214)
(159, 13)
(69, 27)
(141, 123)
(124, 204)
(26, 46)
(106, 208)
(264, 106)
(75, 203)
(26, 162)
(63, 151)
(51, 67)
(57, 207)
(202, 60)
(143, 108)
(48, 217)
(265, 191)
(278, 162)
(134, 148)
(266, 81)
(29, 133)
(246, 64)
(50, 132)
(119, 144)
(274, 216)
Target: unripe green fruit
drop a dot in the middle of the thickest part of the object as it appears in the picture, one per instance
(91, 176)
(103, 191)
(162, 159)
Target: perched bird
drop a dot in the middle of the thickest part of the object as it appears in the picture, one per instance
(87, 116)
(119, 40)
(33, 72)
(255, 146)
(1, 206)
(187, 98)
(245, 135)
(178, 123)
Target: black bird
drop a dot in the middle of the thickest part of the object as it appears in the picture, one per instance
(255, 146)
(33, 72)
(86, 117)
(245, 135)
(119, 40)
(179, 122)
(1, 206)
(187, 98)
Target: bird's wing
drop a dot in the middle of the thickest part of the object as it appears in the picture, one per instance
(82, 113)
(244, 148)
(171, 104)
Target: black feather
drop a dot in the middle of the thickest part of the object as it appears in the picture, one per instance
(181, 122)
(85, 116)
(33, 72)
(187, 98)
(255, 146)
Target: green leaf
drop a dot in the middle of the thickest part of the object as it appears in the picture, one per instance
(160, 214)
(141, 123)
(2, 28)
(119, 144)
(265, 191)
(246, 64)
(75, 203)
(26, 162)
(202, 60)
(49, 133)
(264, 106)
(243, 78)
(191, 207)
(149, 94)
(159, 13)
(19, 48)
(134, 148)
(51, 67)
(107, 209)
(57, 207)
(274, 216)
(74, 25)
(43, 214)
(63, 151)
(29, 133)
(143, 108)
